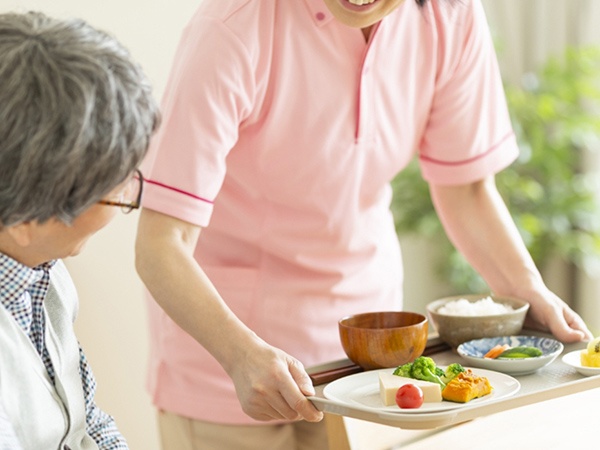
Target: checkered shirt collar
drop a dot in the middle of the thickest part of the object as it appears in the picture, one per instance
(16, 278)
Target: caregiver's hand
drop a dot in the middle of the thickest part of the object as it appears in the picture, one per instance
(549, 313)
(271, 385)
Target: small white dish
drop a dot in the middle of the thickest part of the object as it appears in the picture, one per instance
(572, 359)
(474, 351)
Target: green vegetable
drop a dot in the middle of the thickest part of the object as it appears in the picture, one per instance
(451, 371)
(424, 368)
(521, 352)
(405, 370)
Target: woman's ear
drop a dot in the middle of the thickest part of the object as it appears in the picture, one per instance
(21, 234)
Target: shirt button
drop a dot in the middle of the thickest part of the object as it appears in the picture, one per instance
(320, 16)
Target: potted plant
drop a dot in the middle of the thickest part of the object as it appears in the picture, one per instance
(553, 198)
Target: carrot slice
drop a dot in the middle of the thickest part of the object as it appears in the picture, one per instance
(495, 351)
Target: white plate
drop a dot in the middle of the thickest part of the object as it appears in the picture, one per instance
(362, 389)
(572, 359)
(474, 351)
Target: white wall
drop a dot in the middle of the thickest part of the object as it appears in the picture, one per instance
(111, 324)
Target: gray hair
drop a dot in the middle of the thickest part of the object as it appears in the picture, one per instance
(76, 117)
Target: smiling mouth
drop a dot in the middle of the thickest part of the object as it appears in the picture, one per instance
(361, 2)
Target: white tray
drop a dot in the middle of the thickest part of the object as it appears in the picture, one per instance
(555, 380)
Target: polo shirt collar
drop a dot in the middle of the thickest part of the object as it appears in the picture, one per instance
(319, 12)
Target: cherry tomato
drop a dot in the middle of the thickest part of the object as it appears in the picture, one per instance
(409, 396)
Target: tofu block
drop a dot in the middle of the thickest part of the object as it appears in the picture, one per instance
(389, 385)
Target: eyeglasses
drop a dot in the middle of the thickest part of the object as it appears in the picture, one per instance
(130, 197)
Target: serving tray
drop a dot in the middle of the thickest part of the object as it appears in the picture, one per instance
(555, 380)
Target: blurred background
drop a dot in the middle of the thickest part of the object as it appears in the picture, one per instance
(548, 50)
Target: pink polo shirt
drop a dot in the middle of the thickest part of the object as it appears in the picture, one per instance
(282, 129)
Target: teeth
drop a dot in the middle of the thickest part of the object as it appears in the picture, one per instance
(361, 2)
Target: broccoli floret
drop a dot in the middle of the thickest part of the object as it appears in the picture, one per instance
(424, 368)
(451, 371)
(439, 371)
(405, 370)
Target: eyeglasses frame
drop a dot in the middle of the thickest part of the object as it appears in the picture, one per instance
(126, 208)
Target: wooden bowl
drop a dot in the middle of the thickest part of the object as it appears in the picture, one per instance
(376, 340)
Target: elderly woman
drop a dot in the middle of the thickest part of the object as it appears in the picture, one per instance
(76, 116)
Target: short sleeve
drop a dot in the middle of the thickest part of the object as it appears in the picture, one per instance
(469, 134)
(208, 95)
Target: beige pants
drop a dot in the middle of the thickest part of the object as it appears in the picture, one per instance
(181, 433)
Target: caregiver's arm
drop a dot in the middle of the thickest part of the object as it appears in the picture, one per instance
(480, 226)
(269, 383)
